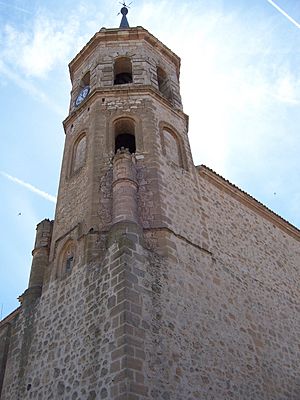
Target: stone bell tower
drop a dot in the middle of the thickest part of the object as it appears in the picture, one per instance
(95, 281)
(157, 279)
(125, 95)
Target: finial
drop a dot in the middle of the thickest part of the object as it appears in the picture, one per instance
(124, 11)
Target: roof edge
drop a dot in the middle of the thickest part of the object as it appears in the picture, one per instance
(10, 317)
(248, 200)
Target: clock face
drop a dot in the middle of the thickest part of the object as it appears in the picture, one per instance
(82, 95)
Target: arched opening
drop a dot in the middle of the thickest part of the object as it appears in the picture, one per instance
(163, 83)
(122, 71)
(79, 153)
(69, 263)
(125, 135)
(86, 80)
(172, 147)
(67, 258)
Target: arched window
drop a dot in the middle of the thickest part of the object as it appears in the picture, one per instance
(125, 135)
(79, 153)
(67, 259)
(163, 83)
(122, 71)
(172, 147)
(69, 263)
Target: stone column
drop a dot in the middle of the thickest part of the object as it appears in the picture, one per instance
(124, 188)
(40, 261)
(125, 300)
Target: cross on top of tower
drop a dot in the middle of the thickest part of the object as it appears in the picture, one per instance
(124, 11)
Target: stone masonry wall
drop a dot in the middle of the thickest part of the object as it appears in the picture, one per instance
(195, 297)
(251, 244)
(84, 197)
(220, 335)
(177, 321)
(5, 333)
(88, 337)
(225, 324)
(145, 60)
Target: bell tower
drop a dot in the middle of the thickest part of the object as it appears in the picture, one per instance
(125, 115)
(126, 150)
(157, 280)
(93, 310)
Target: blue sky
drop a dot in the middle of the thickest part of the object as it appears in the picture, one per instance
(240, 84)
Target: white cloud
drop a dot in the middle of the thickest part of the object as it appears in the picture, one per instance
(30, 187)
(30, 52)
(47, 41)
(37, 51)
(232, 80)
(288, 89)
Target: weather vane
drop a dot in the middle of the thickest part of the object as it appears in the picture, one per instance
(124, 12)
(124, 4)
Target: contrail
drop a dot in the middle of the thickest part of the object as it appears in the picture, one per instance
(15, 7)
(30, 88)
(30, 187)
(284, 13)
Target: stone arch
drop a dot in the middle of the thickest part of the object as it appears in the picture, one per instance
(67, 258)
(124, 134)
(122, 71)
(163, 83)
(78, 153)
(172, 145)
(122, 120)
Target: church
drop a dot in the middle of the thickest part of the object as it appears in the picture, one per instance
(157, 279)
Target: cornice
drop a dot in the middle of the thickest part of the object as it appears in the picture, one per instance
(119, 35)
(123, 91)
(248, 201)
